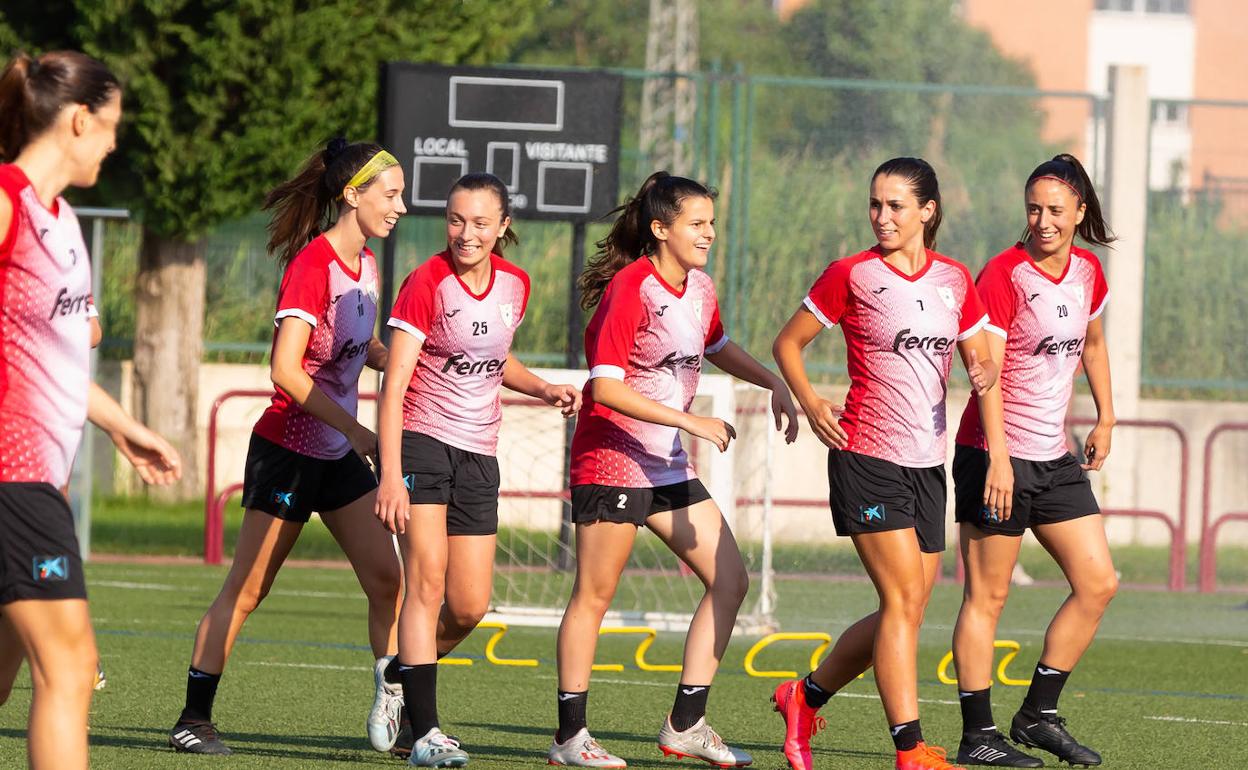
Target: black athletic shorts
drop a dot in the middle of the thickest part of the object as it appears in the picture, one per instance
(39, 556)
(290, 486)
(1045, 492)
(868, 494)
(465, 482)
(633, 505)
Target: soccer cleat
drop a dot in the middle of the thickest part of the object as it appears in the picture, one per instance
(100, 679)
(700, 742)
(197, 738)
(386, 716)
(581, 750)
(801, 723)
(993, 750)
(924, 757)
(1048, 732)
(436, 749)
(402, 747)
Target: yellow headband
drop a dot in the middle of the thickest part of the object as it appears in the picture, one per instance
(375, 165)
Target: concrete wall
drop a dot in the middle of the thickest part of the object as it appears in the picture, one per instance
(531, 450)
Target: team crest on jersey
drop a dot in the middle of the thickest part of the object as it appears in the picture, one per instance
(697, 311)
(1079, 294)
(946, 295)
(508, 312)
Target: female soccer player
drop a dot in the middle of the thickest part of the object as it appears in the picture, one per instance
(61, 112)
(454, 319)
(657, 318)
(1045, 297)
(903, 309)
(308, 453)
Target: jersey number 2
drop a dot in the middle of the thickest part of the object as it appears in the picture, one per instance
(623, 501)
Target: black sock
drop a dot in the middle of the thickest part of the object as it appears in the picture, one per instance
(201, 691)
(690, 705)
(420, 696)
(976, 711)
(1046, 688)
(906, 735)
(572, 707)
(391, 674)
(816, 696)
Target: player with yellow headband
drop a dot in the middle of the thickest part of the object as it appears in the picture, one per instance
(308, 451)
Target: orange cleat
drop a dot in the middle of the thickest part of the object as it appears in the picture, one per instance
(801, 723)
(924, 757)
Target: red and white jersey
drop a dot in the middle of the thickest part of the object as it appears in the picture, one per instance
(341, 306)
(465, 340)
(653, 337)
(901, 333)
(45, 290)
(1044, 321)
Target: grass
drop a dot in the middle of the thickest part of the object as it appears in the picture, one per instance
(137, 526)
(1163, 686)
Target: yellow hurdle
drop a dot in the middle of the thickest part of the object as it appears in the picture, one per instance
(500, 630)
(813, 636)
(639, 657)
(942, 671)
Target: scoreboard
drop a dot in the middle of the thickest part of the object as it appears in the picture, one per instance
(551, 136)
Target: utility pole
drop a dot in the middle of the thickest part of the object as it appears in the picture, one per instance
(668, 104)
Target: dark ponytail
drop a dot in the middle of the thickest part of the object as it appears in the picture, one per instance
(921, 177)
(303, 207)
(33, 91)
(661, 198)
(483, 181)
(1067, 169)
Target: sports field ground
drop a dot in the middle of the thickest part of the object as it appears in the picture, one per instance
(1165, 686)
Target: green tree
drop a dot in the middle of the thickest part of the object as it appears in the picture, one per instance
(223, 99)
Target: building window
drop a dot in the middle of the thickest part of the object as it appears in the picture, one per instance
(1170, 113)
(1179, 7)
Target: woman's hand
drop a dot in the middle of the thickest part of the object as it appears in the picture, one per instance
(364, 442)
(825, 421)
(999, 488)
(1096, 448)
(393, 502)
(566, 397)
(712, 429)
(983, 374)
(782, 406)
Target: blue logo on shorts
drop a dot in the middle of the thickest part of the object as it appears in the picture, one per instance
(871, 514)
(284, 499)
(989, 514)
(409, 481)
(51, 568)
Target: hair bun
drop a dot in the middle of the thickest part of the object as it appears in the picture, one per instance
(337, 146)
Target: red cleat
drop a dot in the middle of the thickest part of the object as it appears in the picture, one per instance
(924, 757)
(801, 723)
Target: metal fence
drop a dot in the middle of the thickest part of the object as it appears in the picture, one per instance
(791, 158)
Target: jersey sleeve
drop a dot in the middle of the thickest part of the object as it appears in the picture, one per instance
(92, 310)
(996, 290)
(974, 317)
(1100, 290)
(716, 337)
(304, 293)
(524, 303)
(828, 299)
(621, 320)
(413, 307)
(9, 236)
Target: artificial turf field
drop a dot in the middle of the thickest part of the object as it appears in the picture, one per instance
(1165, 685)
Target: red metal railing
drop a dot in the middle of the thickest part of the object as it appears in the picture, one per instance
(1209, 529)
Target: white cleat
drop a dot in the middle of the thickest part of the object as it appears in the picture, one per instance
(435, 749)
(384, 720)
(700, 742)
(581, 750)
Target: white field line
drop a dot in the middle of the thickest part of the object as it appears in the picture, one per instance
(325, 666)
(640, 683)
(279, 592)
(1199, 721)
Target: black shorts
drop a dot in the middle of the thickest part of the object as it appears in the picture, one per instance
(868, 494)
(290, 486)
(39, 556)
(465, 482)
(633, 505)
(1045, 492)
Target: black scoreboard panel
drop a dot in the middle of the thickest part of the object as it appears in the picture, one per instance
(551, 136)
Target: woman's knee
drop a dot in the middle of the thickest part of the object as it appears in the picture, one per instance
(383, 582)
(908, 602)
(986, 599)
(731, 585)
(427, 591)
(1098, 591)
(466, 615)
(593, 596)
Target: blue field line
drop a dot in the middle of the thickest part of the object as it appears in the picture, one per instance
(548, 662)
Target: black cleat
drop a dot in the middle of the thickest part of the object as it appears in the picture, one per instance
(1048, 732)
(197, 738)
(993, 750)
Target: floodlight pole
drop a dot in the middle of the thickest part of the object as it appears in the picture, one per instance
(576, 325)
